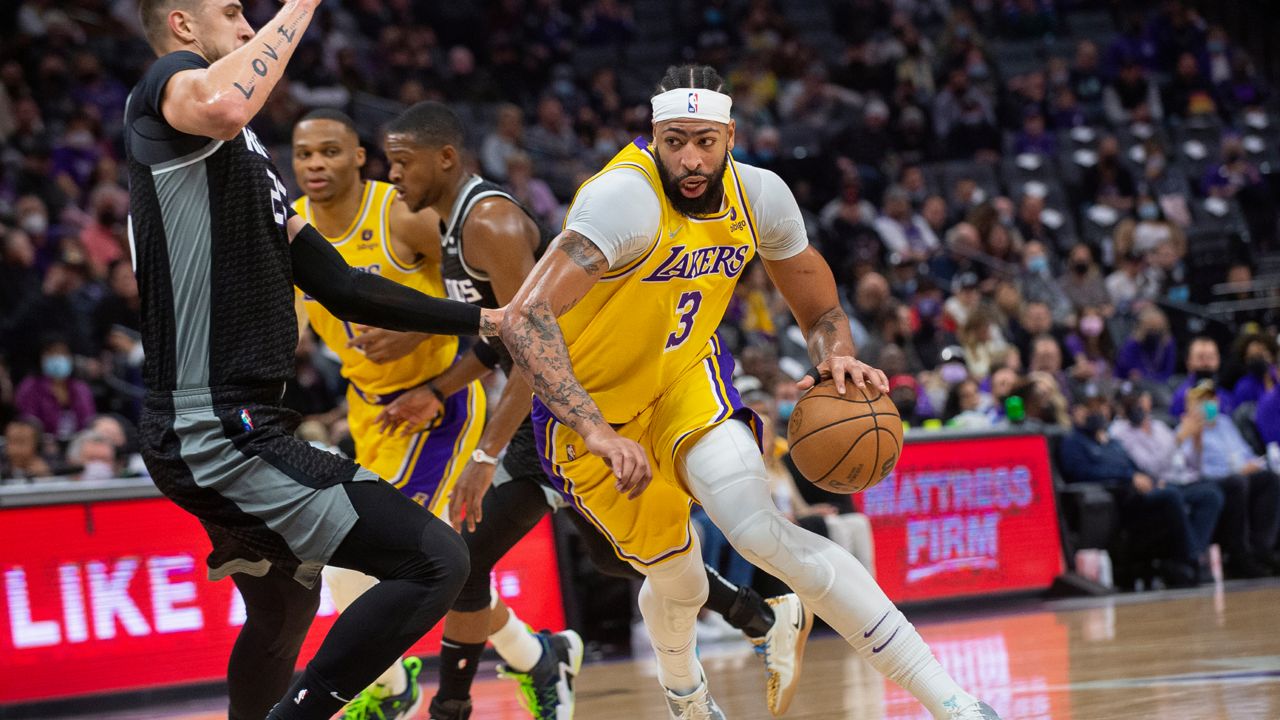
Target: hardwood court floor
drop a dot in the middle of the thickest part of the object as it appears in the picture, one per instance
(1198, 654)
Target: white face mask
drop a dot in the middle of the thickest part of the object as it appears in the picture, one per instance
(35, 224)
(97, 470)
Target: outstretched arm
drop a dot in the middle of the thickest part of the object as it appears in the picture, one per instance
(218, 101)
(806, 283)
(369, 299)
(559, 281)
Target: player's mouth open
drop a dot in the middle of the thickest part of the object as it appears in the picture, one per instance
(316, 183)
(693, 187)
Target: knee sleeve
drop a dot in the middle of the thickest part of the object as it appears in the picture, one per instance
(796, 556)
(726, 473)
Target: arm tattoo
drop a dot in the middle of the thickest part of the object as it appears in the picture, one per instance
(825, 334)
(582, 252)
(259, 65)
(538, 348)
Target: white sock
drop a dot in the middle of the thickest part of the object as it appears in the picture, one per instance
(519, 649)
(673, 593)
(892, 646)
(392, 682)
(345, 585)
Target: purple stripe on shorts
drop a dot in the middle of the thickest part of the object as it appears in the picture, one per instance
(437, 450)
(542, 418)
(724, 367)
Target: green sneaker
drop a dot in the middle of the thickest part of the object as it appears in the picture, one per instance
(546, 691)
(368, 705)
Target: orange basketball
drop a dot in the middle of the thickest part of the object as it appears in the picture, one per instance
(844, 443)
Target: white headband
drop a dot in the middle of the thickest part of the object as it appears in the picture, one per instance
(695, 103)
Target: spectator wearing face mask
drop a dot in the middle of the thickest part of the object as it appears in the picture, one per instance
(785, 396)
(1260, 377)
(1083, 284)
(927, 334)
(1153, 513)
(54, 397)
(1251, 512)
(1153, 446)
(22, 459)
(1203, 361)
(1130, 284)
(1038, 285)
(91, 456)
(904, 391)
(1149, 354)
(1091, 348)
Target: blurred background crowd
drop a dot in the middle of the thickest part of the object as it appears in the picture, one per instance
(1052, 215)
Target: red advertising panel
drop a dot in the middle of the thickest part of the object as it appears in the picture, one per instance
(117, 590)
(966, 517)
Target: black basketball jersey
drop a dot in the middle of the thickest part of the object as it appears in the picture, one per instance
(210, 249)
(461, 282)
(466, 284)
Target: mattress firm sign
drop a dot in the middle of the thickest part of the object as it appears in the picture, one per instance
(966, 517)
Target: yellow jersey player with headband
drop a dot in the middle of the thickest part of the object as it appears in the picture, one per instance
(635, 412)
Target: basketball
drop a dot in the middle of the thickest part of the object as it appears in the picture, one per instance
(844, 443)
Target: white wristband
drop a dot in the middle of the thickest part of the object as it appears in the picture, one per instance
(481, 456)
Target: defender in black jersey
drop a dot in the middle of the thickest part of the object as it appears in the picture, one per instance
(217, 254)
(489, 244)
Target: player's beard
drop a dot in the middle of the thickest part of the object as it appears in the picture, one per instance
(705, 204)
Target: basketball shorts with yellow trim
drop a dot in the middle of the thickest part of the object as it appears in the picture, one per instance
(425, 465)
(655, 526)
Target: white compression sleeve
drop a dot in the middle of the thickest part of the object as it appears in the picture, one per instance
(726, 473)
(345, 585)
(673, 593)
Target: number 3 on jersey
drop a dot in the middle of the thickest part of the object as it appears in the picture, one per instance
(688, 306)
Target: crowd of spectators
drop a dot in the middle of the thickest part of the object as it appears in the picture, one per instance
(1016, 243)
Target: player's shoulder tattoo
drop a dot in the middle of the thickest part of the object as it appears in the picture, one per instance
(581, 251)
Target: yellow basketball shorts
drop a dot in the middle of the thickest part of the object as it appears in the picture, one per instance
(655, 526)
(425, 465)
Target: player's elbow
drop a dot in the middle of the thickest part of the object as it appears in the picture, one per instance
(225, 118)
(514, 322)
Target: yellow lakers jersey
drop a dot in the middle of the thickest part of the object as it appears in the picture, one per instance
(644, 323)
(367, 245)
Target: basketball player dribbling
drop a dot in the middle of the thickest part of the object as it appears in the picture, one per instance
(635, 412)
(489, 245)
(372, 231)
(217, 252)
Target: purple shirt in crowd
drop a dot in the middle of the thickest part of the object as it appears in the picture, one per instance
(1268, 417)
(35, 398)
(1133, 357)
(1251, 389)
